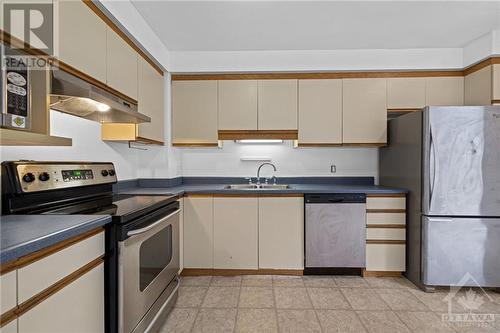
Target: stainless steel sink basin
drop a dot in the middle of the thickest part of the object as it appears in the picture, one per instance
(257, 187)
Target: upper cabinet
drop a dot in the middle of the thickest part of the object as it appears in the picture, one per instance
(444, 91)
(277, 105)
(194, 113)
(405, 93)
(320, 112)
(478, 87)
(150, 98)
(82, 38)
(364, 111)
(121, 69)
(496, 84)
(237, 105)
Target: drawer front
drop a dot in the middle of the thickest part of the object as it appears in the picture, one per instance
(385, 234)
(385, 203)
(78, 307)
(386, 218)
(53, 268)
(385, 257)
(8, 291)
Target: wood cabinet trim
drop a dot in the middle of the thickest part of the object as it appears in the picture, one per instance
(195, 144)
(482, 64)
(233, 272)
(386, 195)
(325, 75)
(382, 273)
(120, 33)
(386, 242)
(386, 226)
(31, 258)
(305, 144)
(258, 134)
(43, 295)
(386, 210)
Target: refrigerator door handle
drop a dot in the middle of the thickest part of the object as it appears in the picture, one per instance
(432, 167)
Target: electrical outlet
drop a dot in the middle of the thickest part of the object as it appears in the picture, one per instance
(333, 168)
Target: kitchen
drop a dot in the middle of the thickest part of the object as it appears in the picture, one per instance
(320, 173)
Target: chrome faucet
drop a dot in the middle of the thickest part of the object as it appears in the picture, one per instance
(260, 167)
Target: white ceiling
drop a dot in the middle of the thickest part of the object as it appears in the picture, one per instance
(317, 25)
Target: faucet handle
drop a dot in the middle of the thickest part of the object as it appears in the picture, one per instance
(266, 180)
(249, 179)
(274, 179)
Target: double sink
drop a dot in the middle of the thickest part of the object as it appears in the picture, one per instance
(257, 187)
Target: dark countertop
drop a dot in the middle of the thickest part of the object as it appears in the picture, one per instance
(21, 235)
(294, 189)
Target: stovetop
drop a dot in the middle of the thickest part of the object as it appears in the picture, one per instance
(121, 207)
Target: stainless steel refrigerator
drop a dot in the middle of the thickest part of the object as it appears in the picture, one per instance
(449, 160)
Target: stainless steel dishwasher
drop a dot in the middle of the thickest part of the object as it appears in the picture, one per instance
(335, 233)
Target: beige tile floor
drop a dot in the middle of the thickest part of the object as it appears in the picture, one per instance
(263, 304)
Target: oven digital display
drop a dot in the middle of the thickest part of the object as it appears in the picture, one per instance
(69, 175)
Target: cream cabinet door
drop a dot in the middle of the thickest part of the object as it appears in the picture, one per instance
(82, 38)
(442, 91)
(386, 257)
(281, 232)
(496, 84)
(8, 291)
(121, 67)
(364, 111)
(320, 111)
(78, 307)
(235, 232)
(478, 87)
(405, 93)
(194, 112)
(277, 105)
(237, 105)
(198, 232)
(150, 99)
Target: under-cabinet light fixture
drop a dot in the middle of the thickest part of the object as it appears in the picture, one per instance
(259, 141)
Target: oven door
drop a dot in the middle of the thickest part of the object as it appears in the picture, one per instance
(148, 261)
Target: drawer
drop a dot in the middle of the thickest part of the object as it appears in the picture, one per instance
(385, 203)
(386, 257)
(385, 234)
(78, 307)
(386, 218)
(8, 291)
(56, 266)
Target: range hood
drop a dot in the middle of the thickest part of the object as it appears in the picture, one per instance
(70, 94)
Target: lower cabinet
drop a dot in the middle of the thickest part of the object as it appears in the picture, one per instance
(78, 307)
(281, 232)
(385, 234)
(243, 232)
(236, 233)
(198, 232)
(58, 289)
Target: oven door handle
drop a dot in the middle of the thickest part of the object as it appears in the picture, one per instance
(151, 226)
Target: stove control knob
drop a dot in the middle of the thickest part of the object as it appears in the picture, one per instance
(111, 172)
(104, 173)
(28, 177)
(44, 176)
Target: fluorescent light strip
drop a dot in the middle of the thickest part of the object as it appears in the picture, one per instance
(259, 141)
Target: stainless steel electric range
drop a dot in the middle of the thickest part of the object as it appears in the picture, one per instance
(142, 242)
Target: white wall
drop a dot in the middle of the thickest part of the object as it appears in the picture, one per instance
(289, 161)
